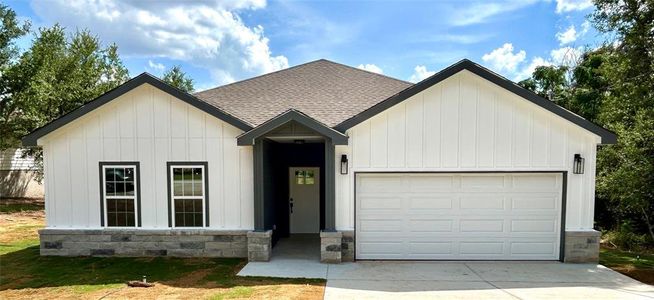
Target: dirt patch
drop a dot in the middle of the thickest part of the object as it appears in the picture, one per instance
(22, 225)
(642, 275)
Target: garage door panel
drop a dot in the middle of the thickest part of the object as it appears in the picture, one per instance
(536, 182)
(461, 216)
(534, 226)
(473, 225)
(430, 248)
(430, 202)
(429, 183)
(533, 248)
(535, 202)
(481, 248)
(430, 225)
(477, 202)
(483, 182)
(381, 202)
(380, 225)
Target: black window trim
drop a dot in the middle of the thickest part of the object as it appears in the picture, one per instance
(169, 166)
(137, 166)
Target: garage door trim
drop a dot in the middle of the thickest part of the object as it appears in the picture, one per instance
(564, 190)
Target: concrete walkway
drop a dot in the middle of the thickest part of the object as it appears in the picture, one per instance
(298, 257)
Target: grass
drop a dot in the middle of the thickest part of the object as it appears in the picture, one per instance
(26, 274)
(639, 266)
(13, 206)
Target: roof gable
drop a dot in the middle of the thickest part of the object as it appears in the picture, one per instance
(31, 139)
(607, 136)
(291, 115)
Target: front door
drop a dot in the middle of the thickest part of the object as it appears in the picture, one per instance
(304, 200)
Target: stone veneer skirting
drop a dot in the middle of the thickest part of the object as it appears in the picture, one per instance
(144, 242)
(582, 246)
(259, 245)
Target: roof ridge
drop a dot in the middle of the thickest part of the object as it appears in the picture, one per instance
(304, 64)
(366, 71)
(260, 76)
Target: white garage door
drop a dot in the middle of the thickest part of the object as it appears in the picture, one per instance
(458, 216)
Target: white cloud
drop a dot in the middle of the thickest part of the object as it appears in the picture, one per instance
(568, 36)
(481, 12)
(208, 34)
(563, 6)
(371, 68)
(155, 66)
(503, 59)
(531, 67)
(420, 73)
(566, 56)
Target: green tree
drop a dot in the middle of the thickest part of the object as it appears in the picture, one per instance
(53, 77)
(626, 170)
(549, 82)
(10, 31)
(178, 78)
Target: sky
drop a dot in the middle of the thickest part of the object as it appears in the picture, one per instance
(218, 42)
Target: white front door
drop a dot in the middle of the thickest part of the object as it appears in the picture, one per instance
(489, 216)
(304, 202)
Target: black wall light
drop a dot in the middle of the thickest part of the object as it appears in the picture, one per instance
(578, 166)
(343, 164)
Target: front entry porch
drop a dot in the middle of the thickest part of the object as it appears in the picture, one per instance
(297, 256)
(294, 187)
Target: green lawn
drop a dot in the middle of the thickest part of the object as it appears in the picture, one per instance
(26, 274)
(12, 207)
(637, 265)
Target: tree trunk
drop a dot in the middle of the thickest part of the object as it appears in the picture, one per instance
(649, 224)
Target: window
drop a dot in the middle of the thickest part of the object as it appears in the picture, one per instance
(304, 177)
(120, 194)
(188, 195)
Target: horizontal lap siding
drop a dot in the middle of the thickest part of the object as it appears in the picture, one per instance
(151, 127)
(466, 123)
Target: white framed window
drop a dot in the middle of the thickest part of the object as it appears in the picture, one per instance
(188, 194)
(120, 194)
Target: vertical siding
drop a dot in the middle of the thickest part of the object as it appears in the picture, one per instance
(466, 123)
(151, 127)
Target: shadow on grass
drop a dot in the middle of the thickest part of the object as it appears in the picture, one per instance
(20, 205)
(25, 268)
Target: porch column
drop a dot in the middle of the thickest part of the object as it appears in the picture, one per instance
(258, 185)
(330, 186)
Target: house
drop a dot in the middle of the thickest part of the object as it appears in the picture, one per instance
(18, 176)
(464, 165)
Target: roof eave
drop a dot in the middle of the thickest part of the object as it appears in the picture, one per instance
(249, 137)
(32, 138)
(607, 137)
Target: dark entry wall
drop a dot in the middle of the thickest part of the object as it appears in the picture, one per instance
(278, 157)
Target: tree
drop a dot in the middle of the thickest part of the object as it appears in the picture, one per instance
(178, 78)
(10, 30)
(626, 170)
(56, 75)
(549, 82)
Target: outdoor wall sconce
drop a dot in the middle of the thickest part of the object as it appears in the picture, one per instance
(578, 166)
(343, 164)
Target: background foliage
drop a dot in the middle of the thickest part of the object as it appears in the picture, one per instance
(612, 85)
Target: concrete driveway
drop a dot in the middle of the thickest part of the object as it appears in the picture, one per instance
(480, 280)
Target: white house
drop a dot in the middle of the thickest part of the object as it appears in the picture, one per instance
(463, 165)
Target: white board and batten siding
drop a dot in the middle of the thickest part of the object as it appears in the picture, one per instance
(153, 128)
(466, 123)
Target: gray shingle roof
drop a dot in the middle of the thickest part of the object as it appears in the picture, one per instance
(326, 91)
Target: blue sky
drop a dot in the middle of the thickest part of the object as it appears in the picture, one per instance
(218, 42)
